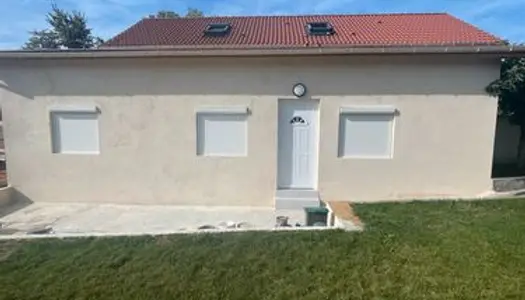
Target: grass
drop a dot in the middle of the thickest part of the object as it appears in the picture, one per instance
(437, 250)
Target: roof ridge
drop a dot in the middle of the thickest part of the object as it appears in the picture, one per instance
(306, 15)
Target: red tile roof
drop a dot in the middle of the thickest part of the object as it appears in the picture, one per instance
(289, 32)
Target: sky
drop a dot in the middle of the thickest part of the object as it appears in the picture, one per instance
(504, 18)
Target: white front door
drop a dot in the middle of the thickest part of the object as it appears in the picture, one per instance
(298, 144)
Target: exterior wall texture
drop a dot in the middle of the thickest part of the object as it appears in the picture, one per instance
(443, 139)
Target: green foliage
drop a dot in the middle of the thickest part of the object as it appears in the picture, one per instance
(413, 251)
(42, 39)
(68, 30)
(194, 13)
(169, 14)
(510, 90)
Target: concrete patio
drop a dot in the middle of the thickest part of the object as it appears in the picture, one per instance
(71, 219)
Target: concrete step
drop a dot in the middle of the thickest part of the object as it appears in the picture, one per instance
(508, 184)
(296, 199)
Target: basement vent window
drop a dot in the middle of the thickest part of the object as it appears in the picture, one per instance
(320, 28)
(221, 29)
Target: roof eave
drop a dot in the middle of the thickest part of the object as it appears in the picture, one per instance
(135, 52)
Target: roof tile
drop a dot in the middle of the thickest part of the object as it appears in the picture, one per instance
(289, 32)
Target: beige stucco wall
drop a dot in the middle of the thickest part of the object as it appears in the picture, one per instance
(443, 134)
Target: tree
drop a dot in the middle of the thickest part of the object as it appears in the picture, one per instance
(169, 14)
(42, 39)
(194, 13)
(68, 30)
(166, 14)
(510, 90)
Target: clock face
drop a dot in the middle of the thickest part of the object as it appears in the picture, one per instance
(299, 90)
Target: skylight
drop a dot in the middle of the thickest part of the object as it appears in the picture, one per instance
(218, 29)
(320, 28)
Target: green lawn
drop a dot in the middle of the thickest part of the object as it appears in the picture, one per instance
(438, 250)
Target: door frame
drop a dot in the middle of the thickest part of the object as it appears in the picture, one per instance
(317, 139)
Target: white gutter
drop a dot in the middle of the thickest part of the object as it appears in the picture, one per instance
(258, 51)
